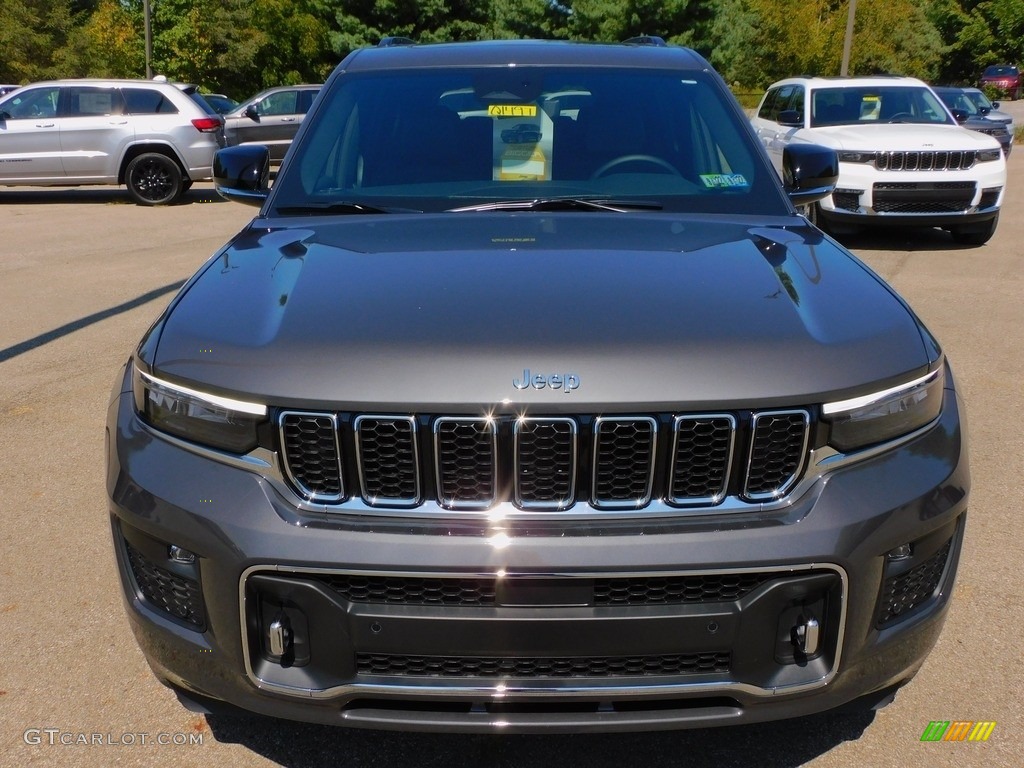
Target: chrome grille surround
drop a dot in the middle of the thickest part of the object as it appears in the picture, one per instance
(718, 434)
(322, 482)
(388, 442)
(466, 461)
(615, 485)
(545, 480)
(791, 429)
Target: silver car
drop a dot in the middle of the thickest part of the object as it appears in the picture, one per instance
(153, 137)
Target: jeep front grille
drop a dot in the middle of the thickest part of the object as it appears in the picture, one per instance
(544, 463)
(960, 160)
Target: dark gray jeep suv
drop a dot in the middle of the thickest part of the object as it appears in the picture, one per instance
(587, 431)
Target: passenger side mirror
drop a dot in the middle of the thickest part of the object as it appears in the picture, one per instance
(252, 113)
(809, 172)
(242, 174)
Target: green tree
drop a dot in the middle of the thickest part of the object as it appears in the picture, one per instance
(32, 30)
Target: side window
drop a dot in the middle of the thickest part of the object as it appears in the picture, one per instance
(33, 103)
(84, 101)
(768, 105)
(280, 103)
(147, 101)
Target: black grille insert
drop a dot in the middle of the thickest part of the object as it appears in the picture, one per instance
(386, 447)
(545, 463)
(701, 458)
(474, 591)
(312, 455)
(709, 663)
(623, 462)
(466, 462)
(777, 453)
(903, 593)
(169, 592)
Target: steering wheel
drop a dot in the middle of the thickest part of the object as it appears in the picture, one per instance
(900, 116)
(622, 160)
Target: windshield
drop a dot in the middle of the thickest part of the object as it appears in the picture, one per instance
(885, 104)
(437, 141)
(981, 101)
(957, 99)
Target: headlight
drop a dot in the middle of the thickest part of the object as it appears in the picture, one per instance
(851, 156)
(884, 415)
(988, 155)
(220, 422)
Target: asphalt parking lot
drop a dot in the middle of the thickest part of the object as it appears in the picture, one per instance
(82, 274)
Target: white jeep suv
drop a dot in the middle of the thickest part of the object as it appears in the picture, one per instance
(154, 137)
(902, 157)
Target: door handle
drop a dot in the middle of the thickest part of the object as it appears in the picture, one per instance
(119, 122)
(287, 119)
(44, 125)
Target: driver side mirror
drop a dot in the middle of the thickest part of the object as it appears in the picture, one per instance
(252, 113)
(809, 172)
(791, 118)
(960, 115)
(242, 173)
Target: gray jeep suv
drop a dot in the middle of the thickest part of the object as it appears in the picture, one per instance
(590, 431)
(151, 136)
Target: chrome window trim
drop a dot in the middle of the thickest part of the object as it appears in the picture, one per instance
(476, 504)
(303, 490)
(395, 501)
(558, 688)
(599, 422)
(573, 460)
(791, 481)
(692, 501)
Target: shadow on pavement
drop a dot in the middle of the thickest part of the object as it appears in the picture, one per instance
(910, 239)
(771, 745)
(83, 322)
(94, 196)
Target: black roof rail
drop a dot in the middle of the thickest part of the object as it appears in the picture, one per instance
(646, 40)
(392, 40)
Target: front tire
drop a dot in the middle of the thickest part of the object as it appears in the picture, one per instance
(153, 179)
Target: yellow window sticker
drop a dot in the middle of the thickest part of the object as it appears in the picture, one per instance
(512, 110)
(724, 180)
(521, 146)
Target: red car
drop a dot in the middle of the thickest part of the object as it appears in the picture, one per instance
(1005, 77)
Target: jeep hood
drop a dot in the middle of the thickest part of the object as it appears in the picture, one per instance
(422, 311)
(900, 137)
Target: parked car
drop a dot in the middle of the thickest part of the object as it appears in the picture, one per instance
(609, 439)
(271, 117)
(966, 112)
(221, 103)
(153, 137)
(523, 133)
(991, 109)
(1005, 77)
(902, 157)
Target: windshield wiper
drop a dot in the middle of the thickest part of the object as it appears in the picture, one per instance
(564, 204)
(340, 206)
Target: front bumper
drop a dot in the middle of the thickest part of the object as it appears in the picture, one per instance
(865, 195)
(529, 626)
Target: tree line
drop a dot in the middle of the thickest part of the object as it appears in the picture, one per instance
(240, 46)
